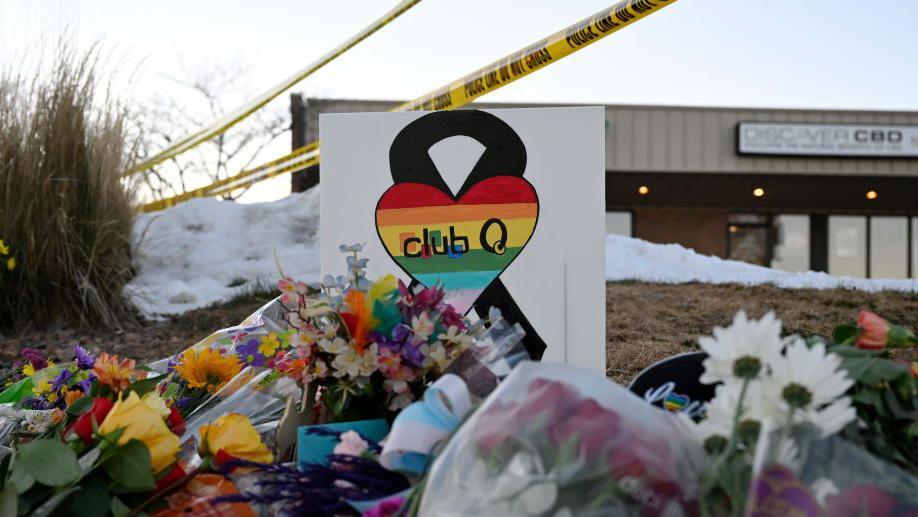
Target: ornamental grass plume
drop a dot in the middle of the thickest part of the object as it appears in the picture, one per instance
(65, 214)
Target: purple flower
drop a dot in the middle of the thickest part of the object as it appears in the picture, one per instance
(450, 317)
(84, 359)
(86, 384)
(400, 343)
(183, 402)
(35, 403)
(35, 357)
(61, 380)
(249, 354)
(778, 487)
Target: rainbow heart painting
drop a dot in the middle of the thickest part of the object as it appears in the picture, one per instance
(461, 244)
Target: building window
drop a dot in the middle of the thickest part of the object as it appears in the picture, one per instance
(848, 245)
(749, 239)
(792, 243)
(889, 247)
(618, 223)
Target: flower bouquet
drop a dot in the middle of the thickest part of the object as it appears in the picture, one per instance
(555, 440)
(790, 412)
(96, 436)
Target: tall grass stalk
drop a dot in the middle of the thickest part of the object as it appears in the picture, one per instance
(63, 209)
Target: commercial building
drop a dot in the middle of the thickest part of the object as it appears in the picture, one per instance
(822, 190)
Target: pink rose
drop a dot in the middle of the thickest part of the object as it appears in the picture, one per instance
(874, 331)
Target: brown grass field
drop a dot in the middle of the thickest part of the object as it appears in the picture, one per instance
(644, 322)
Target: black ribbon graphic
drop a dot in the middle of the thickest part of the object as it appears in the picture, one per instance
(504, 155)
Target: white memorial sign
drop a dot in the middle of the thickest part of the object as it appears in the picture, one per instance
(502, 208)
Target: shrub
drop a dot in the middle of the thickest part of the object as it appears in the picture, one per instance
(64, 212)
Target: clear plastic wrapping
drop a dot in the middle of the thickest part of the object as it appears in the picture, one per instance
(557, 440)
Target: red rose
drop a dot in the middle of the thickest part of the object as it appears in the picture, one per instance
(593, 425)
(172, 476)
(551, 397)
(82, 426)
(175, 421)
(873, 331)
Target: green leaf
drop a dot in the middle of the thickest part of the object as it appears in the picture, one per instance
(50, 462)
(93, 500)
(144, 386)
(869, 397)
(130, 467)
(17, 391)
(49, 506)
(845, 333)
(851, 351)
(79, 407)
(20, 479)
(118, 508)
(881, 370)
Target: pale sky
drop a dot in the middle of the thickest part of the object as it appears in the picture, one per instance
(755, 53)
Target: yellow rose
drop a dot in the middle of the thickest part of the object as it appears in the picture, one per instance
(140, 422)
(234, 435)
(156, 404)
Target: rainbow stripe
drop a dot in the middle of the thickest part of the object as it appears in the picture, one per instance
(407, 209)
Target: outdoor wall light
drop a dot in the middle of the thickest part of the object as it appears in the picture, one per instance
(733, 228)
(872, 194)
(758, 192)
(643, 190)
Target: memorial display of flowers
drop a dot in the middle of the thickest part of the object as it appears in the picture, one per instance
(812, 426)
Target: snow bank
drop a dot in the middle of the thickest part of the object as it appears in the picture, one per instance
(634, 259)
(207, 251)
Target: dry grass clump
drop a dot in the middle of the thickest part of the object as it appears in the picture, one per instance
(649, 322)
(63, 209)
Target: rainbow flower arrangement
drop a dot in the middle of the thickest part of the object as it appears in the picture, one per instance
(366, 348)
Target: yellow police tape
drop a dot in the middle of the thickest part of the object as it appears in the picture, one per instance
(461, 91)
(231, 119)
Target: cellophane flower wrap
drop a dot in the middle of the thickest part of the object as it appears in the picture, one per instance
(805, 473)
(558, 440)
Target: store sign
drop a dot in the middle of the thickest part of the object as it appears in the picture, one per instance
(827, 139)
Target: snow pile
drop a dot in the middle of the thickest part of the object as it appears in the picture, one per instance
(634, 259)
(207, 251)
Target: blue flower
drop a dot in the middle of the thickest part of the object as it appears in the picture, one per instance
(61, 380)
(84, 359)
(248, 353)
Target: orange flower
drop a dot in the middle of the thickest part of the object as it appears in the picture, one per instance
(112, 372)
(72, 396)
(874, 331)
(207, 368)
(358, 318)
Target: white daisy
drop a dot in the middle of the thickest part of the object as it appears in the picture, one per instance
(722, 409)
(742, 349)
(811, 382)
